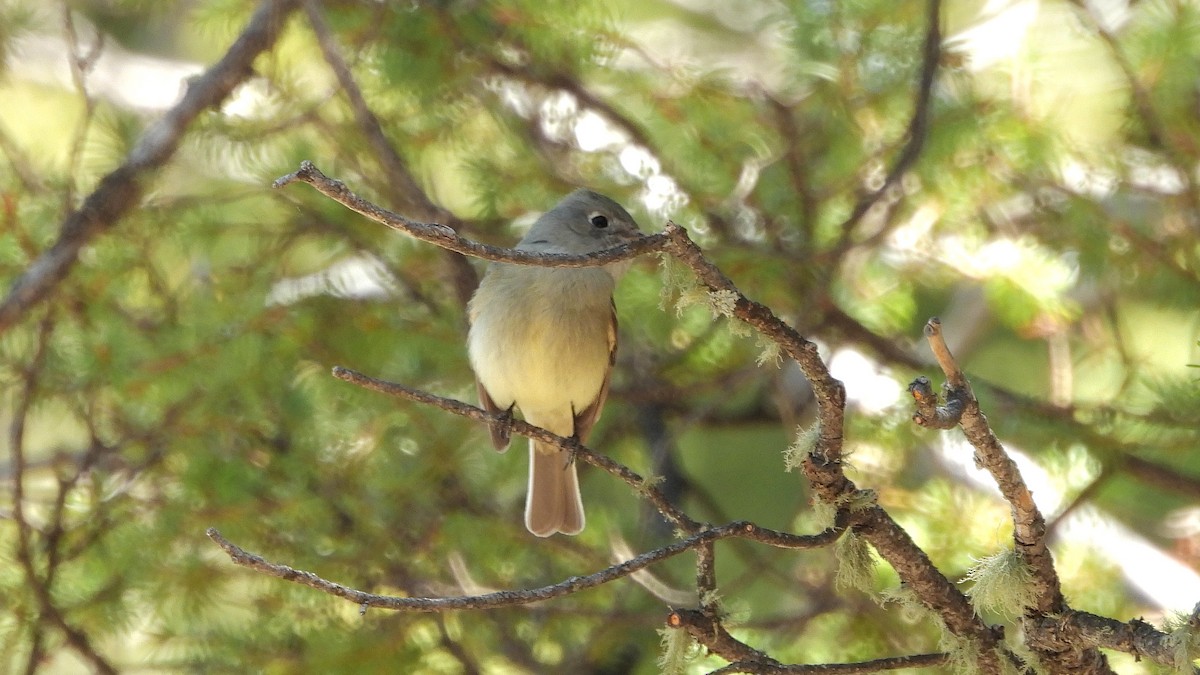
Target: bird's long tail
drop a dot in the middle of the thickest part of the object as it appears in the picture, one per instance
(553, 503)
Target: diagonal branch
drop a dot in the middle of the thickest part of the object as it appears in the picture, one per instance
(859, 668)
(499, 598)
(823, 466)
(830, 393)
(396, 171)
(447, 238)
(1143, 103)
(677, 517)
(121, 190)
(918, 124)
(709, 631)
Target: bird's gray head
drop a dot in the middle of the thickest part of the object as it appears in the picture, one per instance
(583, 222)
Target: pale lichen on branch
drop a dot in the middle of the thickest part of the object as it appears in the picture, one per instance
(1033, 560)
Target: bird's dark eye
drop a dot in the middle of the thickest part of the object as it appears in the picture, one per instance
(599, 220)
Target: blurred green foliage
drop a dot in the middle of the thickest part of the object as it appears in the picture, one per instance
(178, 378)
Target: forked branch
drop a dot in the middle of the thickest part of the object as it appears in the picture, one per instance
(1029, 526)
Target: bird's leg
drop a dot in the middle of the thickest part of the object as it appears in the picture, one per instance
(505, 418)
(574, 437)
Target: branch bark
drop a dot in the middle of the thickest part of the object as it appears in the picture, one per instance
(1074, 627)
(859, 668)
(447, 238)
(1029, 526)
(745, 659)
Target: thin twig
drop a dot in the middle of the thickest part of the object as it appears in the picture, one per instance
(706, 580)
(40, 586)
(1157, 130)
(447, 238)
(399, 177)
(918, 124)
(499, 598)
(941, 352)
(859, 668)
(929, 413)
(81, 65)
(673, 514)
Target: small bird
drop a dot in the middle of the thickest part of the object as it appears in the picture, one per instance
(544, 339)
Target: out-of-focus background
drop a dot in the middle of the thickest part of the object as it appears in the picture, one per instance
(178, 378)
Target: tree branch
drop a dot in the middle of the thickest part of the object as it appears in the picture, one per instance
(447, 238)
(500, 598)
(1156, 129)
(25, 549)
(1029, 526)
(673, 514)
(709, 631)
(859, 668)
(399, 178)
(1074, 627)
(121, 190)
(918, 124)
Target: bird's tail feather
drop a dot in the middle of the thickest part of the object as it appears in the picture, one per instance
(553, 503)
